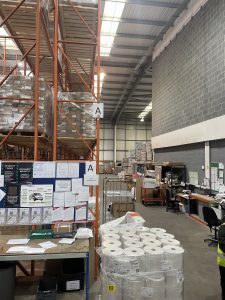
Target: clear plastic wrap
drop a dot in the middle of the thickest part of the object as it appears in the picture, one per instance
(140, 272)
(80, 114)
(12, 110)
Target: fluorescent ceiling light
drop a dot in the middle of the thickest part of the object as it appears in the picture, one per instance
(145, 112)
(112, 10)
(102, 75)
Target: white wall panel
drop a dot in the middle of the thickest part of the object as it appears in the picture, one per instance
(120, 134)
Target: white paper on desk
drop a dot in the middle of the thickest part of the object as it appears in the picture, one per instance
(30, 250)
(76, 185)
(2, 194)
(24, 216)
(39, 195)
(47, 215)
(67, 241)
(62, 170)
(90, 167)
(63, 185)
(12, 216)
(70, 199)
(74, 170)
(47, 245)
(18, 242)
(68, 214)
(80, 213)
(36, 216)
(17, 249)
(83, 194)
(57, 214)
(2, 180)
(91, 179)
(59, 199)
(45, 169)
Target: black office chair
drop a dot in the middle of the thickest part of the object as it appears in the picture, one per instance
(171, 202)
(213, 223)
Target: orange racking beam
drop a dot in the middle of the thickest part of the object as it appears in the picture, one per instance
(37, 69)
(55, 77)
(97, 140)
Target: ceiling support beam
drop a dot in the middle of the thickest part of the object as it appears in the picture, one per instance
(151, 3)
(136, 21)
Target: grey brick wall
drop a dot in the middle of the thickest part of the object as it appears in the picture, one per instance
(192, 155)
(189, 76)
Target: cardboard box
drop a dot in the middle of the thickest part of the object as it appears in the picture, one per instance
(119, 209)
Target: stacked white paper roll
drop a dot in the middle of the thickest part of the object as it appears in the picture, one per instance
(142, 230)
(174, 257)
(109, 231)
(153, 258)
(151, 242)
(130, 237)
(136, 257)
(135, 244)
(172, 242)
(146, 235)
(156, 230)
(155, 283)
(164, 235)
(112, 288)
(133, 287)
(111, 243)
(174, 285)
(110, 236)
(125, 231)
(111, 260)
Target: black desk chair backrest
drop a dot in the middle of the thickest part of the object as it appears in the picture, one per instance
(210, 217)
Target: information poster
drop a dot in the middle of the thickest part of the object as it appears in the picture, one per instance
(25, 173)
(10, 173)
(36, 195)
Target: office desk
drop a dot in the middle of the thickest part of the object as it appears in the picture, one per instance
(79, 249)
(197, 201)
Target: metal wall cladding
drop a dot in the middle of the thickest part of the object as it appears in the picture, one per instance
(13, 110)
(77, 119)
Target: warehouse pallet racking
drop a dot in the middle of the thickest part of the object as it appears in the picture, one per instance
(62, 50)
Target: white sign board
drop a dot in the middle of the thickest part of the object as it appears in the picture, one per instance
(98, 110)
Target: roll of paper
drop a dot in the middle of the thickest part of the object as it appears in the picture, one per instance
(157, 230)
(136, 258)
(130, 236)
(145, 235)
(154, 257)
(111, 260)
(142, 230)
(173, 242)
(151, 242)
(110, 236)
(112, 288)
(174, 257)
(133, 287)
(164, 235)
(125, 231)
(155, 283)
(135, 244)
(109, 231)
(111, 243)
(174, 285)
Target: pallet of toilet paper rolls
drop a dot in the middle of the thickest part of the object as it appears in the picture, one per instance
(140, 263)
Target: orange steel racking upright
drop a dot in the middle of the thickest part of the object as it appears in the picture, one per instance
(45, 54)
